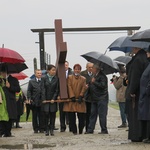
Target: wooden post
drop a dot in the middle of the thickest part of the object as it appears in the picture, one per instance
(61, 49)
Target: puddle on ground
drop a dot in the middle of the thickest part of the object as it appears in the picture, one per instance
(28, 146)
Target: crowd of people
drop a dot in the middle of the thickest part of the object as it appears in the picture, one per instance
(88, 99)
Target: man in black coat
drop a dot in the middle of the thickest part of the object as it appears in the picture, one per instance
(98, 89)
(144, 101)
(88, 75)
(35, 95)
(134, 72)
(10, 89)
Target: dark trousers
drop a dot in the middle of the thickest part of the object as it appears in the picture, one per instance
(50, 120)
(5, 127)
(38, 121)
(100, 109)
(81, 121)
(63, 117)
(88, 112)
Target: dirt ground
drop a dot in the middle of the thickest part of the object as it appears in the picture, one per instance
(115, 140)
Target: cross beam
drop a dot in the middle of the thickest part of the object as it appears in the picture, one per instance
(83, 29)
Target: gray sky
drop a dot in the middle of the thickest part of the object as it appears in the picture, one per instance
(19, 16)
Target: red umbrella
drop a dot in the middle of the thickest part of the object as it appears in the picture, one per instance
(19, 76)
(10, 56)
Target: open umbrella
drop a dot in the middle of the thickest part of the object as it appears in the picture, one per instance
(123, 59)
(43, 74)
(13, 68)
(106, 63)
(142, 36)
(10, 56)
(19, 76)
(125, 44)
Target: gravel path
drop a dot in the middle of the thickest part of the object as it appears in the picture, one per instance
(115, 140)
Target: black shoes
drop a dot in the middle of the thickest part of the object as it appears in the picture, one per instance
(62, 130)
(124, 125)
(17, 126)
(87, 132)
(52, 132)
(146, 141)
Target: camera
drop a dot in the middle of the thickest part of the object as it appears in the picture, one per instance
(112, 78)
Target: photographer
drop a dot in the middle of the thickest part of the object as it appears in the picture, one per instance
(120, 95)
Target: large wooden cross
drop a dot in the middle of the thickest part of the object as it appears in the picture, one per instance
(61, 50)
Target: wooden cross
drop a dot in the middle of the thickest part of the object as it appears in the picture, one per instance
(61, 50)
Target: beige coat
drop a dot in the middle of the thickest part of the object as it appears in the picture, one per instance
(120, 88)
(76, 87)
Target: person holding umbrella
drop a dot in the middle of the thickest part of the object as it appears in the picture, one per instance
(120, 94)
(98, 90)
(135, 68)
(10, 89)
(144, 101)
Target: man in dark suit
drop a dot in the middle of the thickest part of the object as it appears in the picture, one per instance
(135, 68)
(35, 95)
(88, 75)
(64, 119)
(10, 89)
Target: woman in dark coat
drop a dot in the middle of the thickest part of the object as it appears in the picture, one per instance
(51, 85)
(134, 72)
(144, 101)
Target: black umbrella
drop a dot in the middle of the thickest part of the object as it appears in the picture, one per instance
(123, 59)
(125, 44)
(13, 68)
(142, 36)
(107, 64)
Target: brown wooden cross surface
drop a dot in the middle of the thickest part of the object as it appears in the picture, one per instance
(61, 49)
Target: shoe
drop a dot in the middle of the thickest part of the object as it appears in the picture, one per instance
(62, 130)
(87, 132)
(35, 131)
(41, 131)
(124, 125)
(136, 140)
(46, 133)
(103, 132)
(5, 135)
(146, 140)
(52, 132)
(18, 126)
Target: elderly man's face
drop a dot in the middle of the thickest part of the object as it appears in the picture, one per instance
(94, 70)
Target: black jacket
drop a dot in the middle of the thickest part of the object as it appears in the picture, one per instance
(35, 91)
(99, 89)
(51, 93)
(10, 94)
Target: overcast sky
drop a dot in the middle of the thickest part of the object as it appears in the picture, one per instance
(17, 17)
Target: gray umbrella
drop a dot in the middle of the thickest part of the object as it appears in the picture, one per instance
(107, 64)
(123, 59)
(142, 36)
(125, 44)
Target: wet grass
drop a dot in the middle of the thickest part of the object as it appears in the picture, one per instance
(114, 105)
